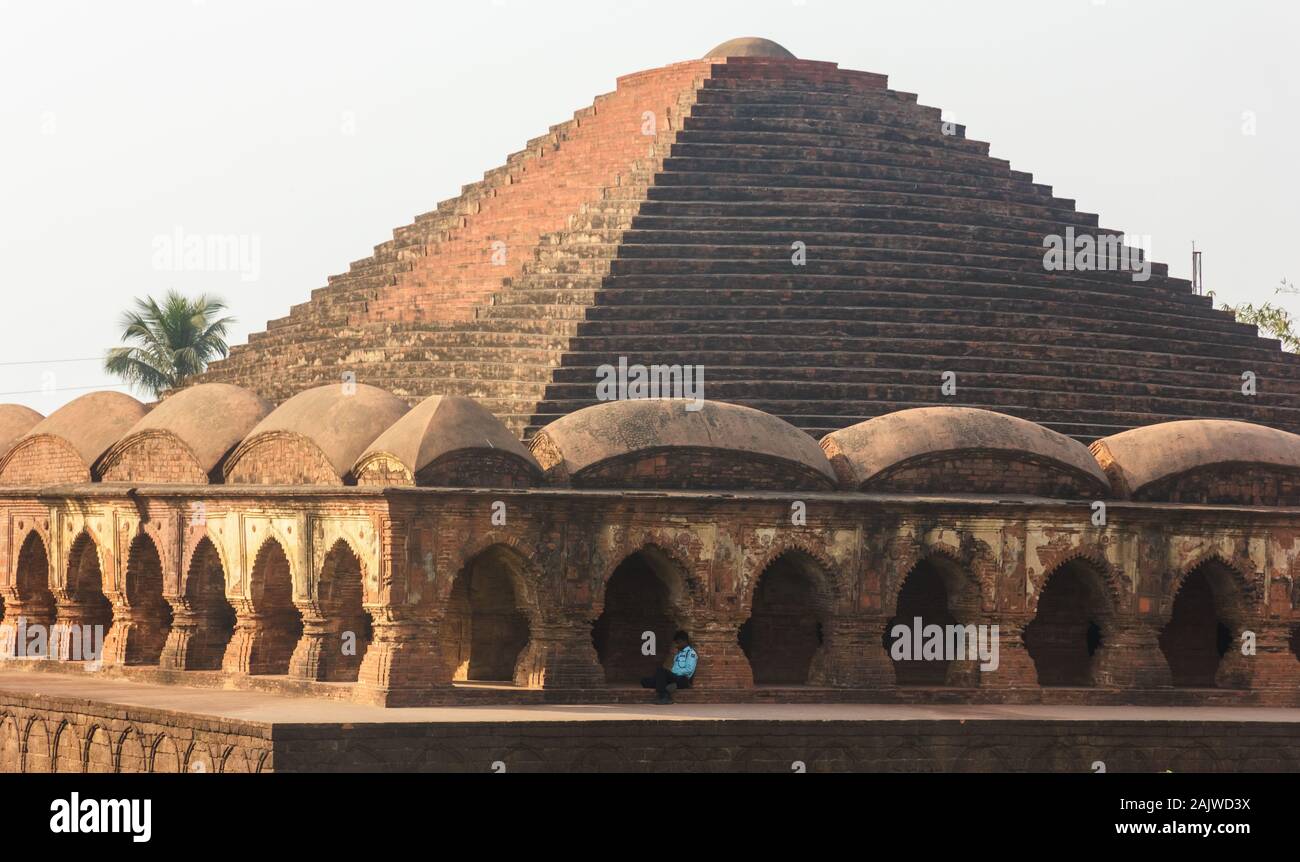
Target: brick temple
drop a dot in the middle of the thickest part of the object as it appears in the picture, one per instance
(409, 492)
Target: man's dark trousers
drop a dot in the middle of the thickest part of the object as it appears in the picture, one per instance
(662, 679)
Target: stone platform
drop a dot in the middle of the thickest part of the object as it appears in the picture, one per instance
(66, 722)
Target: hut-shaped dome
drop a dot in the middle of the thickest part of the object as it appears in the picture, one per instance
(659, 443)
(1204, 461)
(15, 421)
(448, 440)
(66, 447)
(961, 450)
(315, 437)
(187, 437)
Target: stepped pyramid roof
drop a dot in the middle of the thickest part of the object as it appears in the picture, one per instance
(826, 246)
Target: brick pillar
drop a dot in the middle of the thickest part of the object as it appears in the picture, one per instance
(137, 635)
(260, 643)
(314, 654)
(722, 662)
(77, 628)
(854, 655)
(1130, 656)
(560, 655)
(1236, 670)
(1274, 664)
(402, 666)
(1015, 667)
(196, 639)
(19, 618)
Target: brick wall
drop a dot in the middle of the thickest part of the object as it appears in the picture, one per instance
(1242, 484)
(44, 461)
(985, 474)
(687, 468)
(282, 459)
(155, 458)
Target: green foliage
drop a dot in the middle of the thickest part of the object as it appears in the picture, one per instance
(169, 343)
(1273, 320)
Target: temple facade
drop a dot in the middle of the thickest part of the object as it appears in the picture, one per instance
(346, 546)
(908, 424)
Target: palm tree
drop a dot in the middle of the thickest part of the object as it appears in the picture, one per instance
(172, 342)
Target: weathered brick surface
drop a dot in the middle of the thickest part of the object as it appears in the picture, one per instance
(52, 734)
(44, 461)
(923, 255)
(570, 580)
(282, 459)
(154, 458)
(76, 735)
(988, 474)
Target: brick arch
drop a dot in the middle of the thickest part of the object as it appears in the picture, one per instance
(199, 752)
(79, 539)
(11, 743)
(268, 623)
(132, 761)
(38, 751)
(1114, 582)
(163, 547)
(272, 534)
(164, 755)
(29, 592)
(831, 580)
(296, 579)
(98, 753)
(686, 595)
(978, 588)
(368, 555)
(529, 579)
(65, 739)
(187, 559)
(784, 636)
(142, 542)
(1242, 603)
(491, 611)
(315, 577)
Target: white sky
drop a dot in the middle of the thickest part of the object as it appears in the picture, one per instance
(120, 122)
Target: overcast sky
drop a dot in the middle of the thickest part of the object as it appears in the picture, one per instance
(311, 130)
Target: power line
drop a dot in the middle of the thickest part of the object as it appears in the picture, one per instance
(64, 389)
(52, 361)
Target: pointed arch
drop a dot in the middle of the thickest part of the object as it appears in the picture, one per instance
(267, 623)
(491, 615)
(649, 590)
(790, 605)
(1074, 621)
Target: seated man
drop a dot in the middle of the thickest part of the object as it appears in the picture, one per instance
(677, 669)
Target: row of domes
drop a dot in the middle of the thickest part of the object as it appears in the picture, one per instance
(358, 434)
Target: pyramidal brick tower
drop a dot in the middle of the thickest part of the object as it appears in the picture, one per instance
(825, 247)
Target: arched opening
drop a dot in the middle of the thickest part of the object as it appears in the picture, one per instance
(276, 622)
(85, 616)
(642, 596)
(348, 626)
(486, 627)
(209, 621)
(934, 593)
(1200, 630)
(30, 602)
(148, 615)
(784, 632)
(1068, 632)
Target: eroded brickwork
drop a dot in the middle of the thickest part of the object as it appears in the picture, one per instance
(565, 583)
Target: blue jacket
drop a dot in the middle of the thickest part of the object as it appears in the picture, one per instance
(684, 663)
